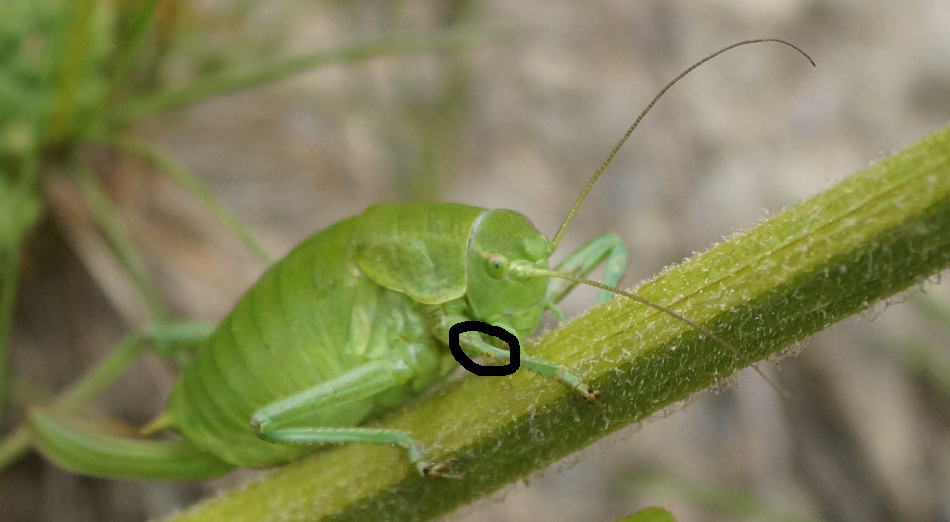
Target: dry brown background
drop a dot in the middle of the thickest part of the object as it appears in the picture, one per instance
(863, 437)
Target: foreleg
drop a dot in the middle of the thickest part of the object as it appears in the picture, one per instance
(607, 248)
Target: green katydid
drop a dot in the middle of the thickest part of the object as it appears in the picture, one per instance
(351, 324)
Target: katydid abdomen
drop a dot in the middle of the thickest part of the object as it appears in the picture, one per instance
(308, 320)
(285, 334)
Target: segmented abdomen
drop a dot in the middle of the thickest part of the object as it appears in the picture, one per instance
(286, 334)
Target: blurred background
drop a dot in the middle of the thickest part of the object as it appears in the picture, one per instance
(517, 118)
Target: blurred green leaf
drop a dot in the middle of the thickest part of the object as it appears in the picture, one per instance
(652, 514)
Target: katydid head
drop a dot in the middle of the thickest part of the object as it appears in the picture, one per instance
(499, 240)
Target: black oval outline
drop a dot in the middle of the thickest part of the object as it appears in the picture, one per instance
(495, 331)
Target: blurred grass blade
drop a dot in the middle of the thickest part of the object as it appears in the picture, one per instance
(126, 56)
(814, 264)
(179, 341)
(188, 181)
(251, 76)
(18, 442)
(107, 216)
(71, 70)
(8, 281)
(19, 210)
(170, 340)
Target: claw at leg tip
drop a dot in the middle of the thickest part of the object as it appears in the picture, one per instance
(436, 470)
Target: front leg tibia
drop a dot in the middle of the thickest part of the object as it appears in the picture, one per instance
(472, 344)
(607, 249)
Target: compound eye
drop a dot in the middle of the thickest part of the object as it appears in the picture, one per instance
(497, 265)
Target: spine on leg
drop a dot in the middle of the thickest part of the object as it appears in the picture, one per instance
(83, 450)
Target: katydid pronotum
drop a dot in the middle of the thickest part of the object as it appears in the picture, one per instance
(349, 325)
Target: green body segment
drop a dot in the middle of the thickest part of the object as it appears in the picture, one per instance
(415, 249)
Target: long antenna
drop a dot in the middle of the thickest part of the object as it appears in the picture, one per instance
(590, 184)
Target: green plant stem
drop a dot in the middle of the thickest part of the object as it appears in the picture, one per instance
(188, 181)
(126, 57)
(872, 235)
(252, 76)
(18, 441)
(107, 216)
